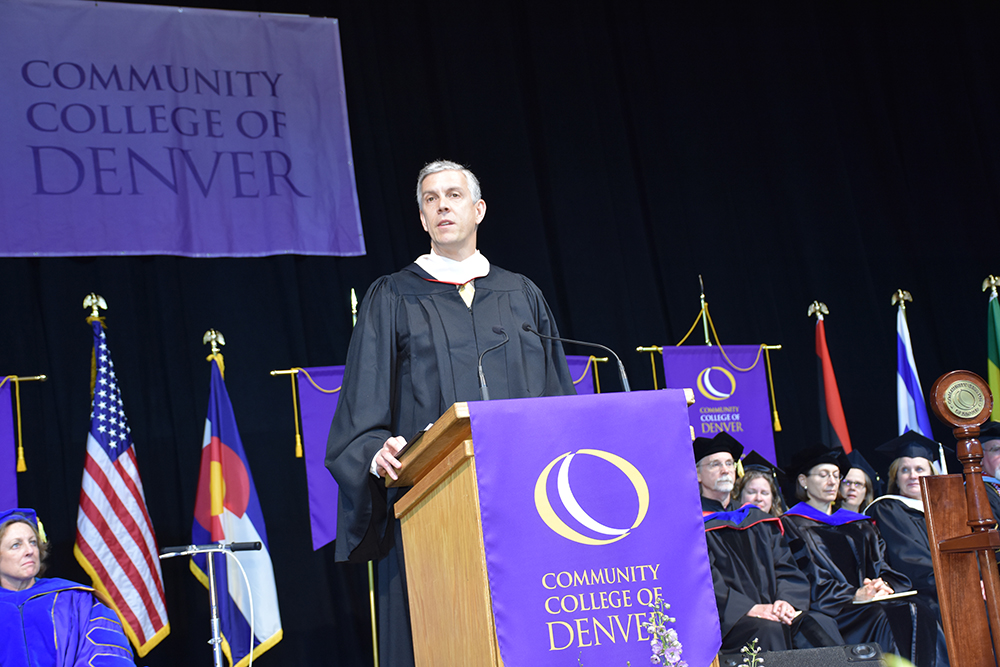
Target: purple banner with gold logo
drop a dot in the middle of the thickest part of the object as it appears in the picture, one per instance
(595, 514)
(730, 395)
(319, 389)
(132, 129)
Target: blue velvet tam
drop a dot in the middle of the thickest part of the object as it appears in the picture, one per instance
(19, 514)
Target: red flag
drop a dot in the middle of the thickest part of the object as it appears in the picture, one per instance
(115, 542)
(833, 426)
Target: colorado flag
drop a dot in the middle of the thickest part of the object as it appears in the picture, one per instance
(227, 510)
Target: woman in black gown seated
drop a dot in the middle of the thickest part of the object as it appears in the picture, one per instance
(899, 515)
(843, 555)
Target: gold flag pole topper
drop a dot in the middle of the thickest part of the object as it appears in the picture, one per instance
(217, 340)
(94, 302)
(16, 381)
(705, 317)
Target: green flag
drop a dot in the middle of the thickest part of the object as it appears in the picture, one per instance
(993, 351)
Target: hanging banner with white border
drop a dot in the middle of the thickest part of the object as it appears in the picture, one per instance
(133, 129)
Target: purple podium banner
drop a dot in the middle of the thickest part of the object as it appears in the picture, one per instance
(590, 509)
(133, 129)
(319, 389)
(727, 397)
(8, 449)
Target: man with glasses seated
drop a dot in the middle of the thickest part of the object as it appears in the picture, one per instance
(759, 590)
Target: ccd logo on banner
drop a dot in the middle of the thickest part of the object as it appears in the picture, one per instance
(573, 507)
(712, 391)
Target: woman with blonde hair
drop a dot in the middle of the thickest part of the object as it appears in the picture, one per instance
(759, 486)
(50, 622)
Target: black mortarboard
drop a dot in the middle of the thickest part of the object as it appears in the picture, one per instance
(805, 459)
(911, 444)
(754, 461)
(989, 431)
(723, 442)
(858, 461)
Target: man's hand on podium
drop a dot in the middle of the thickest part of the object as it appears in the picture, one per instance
(385, 459)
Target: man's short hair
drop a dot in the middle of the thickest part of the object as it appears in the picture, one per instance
(448, 165)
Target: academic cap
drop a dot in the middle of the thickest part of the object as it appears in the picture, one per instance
(754, 461)
(911, 444)
(722, 442)
(805, 459)
(859, 461)
(19, 514)
(989, 431)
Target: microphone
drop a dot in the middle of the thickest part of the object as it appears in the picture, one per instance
(170, 552)
(484, 391)
(621, 367)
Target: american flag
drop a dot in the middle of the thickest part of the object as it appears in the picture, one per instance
(115, 543)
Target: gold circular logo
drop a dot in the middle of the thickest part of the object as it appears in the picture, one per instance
(709, 390)
(552, 520)
(964, 399)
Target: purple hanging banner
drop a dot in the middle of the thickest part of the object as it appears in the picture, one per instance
(582, 372)
(8, 449)
(575, 556)
(133, 129)
(319, 389)
(727, 397)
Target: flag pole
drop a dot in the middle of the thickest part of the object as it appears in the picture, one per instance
(993, 341)
(704, 311)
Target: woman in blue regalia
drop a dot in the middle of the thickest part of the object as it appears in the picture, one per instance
(50, 622)
(844, 557)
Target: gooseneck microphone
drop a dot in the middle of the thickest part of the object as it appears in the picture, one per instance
(621, 367)
(484, 391)
(170, 552)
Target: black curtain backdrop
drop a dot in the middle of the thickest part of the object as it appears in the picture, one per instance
(785, 151)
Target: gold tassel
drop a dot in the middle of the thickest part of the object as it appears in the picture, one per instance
(21, 466)
(770, 384)
(217, 357)
(295, 412)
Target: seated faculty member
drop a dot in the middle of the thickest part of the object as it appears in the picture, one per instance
(759, 590)
(414, 352)
(844, 556)
(50, 622)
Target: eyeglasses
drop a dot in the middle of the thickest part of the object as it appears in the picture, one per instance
(992, 450)
(715, 465)
(824, 475)
(851, 484)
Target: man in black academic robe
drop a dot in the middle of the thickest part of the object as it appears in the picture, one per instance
(415, 351)
(759, 590)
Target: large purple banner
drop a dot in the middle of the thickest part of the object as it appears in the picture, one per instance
(728, 396)
(132, 129)
(595, 514)
(8, 449)
(319, 389)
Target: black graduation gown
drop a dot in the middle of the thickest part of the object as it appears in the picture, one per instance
(752, 564)
(838, 552)
(414, 352)
(907, 547)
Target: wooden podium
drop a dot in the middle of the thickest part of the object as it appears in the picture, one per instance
(959, 523)
(450, 609)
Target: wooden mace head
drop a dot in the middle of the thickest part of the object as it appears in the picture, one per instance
(961, 399)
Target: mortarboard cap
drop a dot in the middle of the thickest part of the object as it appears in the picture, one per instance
(723, 442)
(989, 431)
(19, 514)
(911, 444)
(754, 461)
(805, 459)
(859, 461)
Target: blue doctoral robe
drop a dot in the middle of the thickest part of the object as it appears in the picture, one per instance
(59, 623)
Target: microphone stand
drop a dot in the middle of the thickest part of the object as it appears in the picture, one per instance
(621, 367)
(210, 550)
